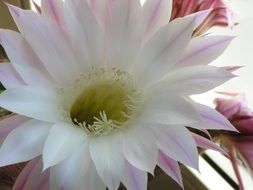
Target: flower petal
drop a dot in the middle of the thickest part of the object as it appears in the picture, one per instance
(49, 42)
(170, 167)
(32, 177)
(68, 138)
(140, 152)
(75, 172)
(109, 166)
(207, 144)
(37, 103)
(9, 77)
(203, 50)
(167, 109)
(134, 178)
(192, 80)
(124, 35)
(24, 142)
(177, 143)
(24, 60)
(155, 15)
(163, 50)
(86, 36)
(10, 123)
(211, 119)
(53, 9)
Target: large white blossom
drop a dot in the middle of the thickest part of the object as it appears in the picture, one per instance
(101, 93)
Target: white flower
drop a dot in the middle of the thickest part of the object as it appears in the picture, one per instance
(101, 91)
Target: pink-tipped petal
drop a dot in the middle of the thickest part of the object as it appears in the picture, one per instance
(176, 142)
(49, 42)
(24, 142)
(192, 80)
(24, 59)
(32, 177)
(211, 119)
(207, 144)
(9, 76)
(170, 167)
(134, 178)
(163, 50)
(203, 50)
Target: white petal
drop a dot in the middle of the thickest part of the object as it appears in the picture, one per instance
(211, 119)
(11, 123)
(24, 142)
(9, 76)
(63, 138)
(167, 109)
(170, 167)
(86, 36)
(76, 172)
(125, 29)
(203, 50)
(134, 178)
(32, 177)
(163, 50)
(24, 60)
(49, 42)
(177, 143)
(140, 152)
(156, 13)
(37, 103)
(108, 160)
(192, 80)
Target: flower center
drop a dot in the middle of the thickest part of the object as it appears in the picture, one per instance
(104, 97)
(106, 104)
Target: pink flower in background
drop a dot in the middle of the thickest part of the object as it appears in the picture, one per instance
(220, 14)
(238, 145)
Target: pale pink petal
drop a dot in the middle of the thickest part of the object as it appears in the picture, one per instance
(24, 142)
(207, 144)
(49, 42)
(86, 36)
(111, 164)
(37, 103)
(163, 50)
(24, 60)
(53, 9)
(9, 76)
(32, 177)
(75, 172)
(37, 6)
(134, 178)
(68, 138)
(124, 32)
(168, 109)
(10, 123)
(211, 119)
(156, 13)
(192, 80)
(140, 152)
(170, 167)
(203, 50)
(176, 142)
